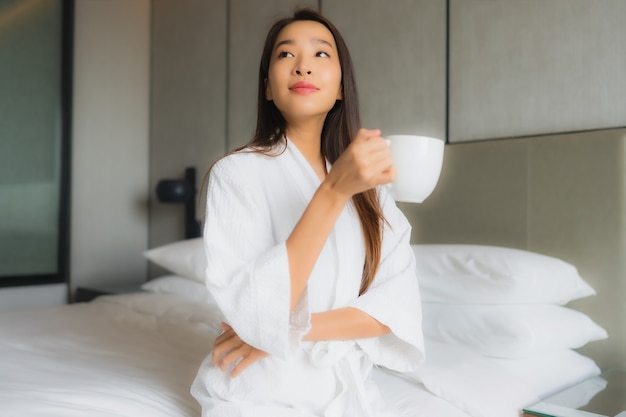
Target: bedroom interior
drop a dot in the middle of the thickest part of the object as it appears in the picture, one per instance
(531, 107)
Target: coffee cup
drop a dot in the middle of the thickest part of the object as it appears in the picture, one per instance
(418, 161)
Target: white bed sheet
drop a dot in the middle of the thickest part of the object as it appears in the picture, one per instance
(130, 356)
(133, 355)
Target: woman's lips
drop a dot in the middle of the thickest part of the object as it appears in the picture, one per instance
(303, 88)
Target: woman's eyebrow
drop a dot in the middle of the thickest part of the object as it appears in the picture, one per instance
(323, 41)
(285, 42)
(291, 42)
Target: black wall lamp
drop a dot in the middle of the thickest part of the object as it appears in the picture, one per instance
(182, 191)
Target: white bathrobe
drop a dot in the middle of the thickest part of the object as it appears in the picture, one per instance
(253, 204)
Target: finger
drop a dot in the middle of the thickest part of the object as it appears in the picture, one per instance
(388, 175)
(234, 355)
(221, 339)
(223, 344)
(365, 134)
(384, 175)
(366, 152)
(378, 149)
(375, 144)
(377, 154)
(372, 133)
(246, 361)
(379, 168)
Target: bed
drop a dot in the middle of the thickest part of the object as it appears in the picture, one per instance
(499, 336)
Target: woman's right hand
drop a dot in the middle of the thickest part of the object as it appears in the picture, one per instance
(229, 349)
(365, 164)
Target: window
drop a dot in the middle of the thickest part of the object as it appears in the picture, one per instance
(35, 106)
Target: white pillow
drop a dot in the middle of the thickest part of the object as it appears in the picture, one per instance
(179, 286)
(477, 274)
(489, 387)
(185, 258)
(552, 371)
(509, 331)
(573, 397)
(471, 382)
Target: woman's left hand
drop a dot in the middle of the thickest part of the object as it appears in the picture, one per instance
(229, 348)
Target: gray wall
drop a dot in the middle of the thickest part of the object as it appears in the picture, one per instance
(188, 96)
(110, 142)
(520, 68)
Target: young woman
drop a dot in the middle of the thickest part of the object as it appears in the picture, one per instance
(308, 257)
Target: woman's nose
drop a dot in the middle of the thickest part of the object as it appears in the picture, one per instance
(302, 68)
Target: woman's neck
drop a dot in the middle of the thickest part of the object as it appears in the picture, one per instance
(308, 140)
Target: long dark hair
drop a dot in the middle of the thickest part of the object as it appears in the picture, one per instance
(341, 125)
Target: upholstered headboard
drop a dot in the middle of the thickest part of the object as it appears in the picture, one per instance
(561, 195)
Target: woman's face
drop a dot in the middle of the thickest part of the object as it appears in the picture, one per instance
(304, 78)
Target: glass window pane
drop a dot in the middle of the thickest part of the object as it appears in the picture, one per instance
(30, 135)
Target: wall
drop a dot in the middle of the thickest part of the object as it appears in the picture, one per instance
(110, 141)
(520, 68)
(36, 296)
(188, 95)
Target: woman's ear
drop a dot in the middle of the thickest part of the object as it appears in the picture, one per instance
(268, 92)
(340, 93)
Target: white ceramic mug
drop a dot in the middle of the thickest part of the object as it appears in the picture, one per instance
(418, 161)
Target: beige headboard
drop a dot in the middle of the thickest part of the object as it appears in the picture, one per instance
(561, 195)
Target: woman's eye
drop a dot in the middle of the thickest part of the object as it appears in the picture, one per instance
(322, 54)
(285, 54)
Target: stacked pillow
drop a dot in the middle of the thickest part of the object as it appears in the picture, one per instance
(186, 262)
(500, 310)
(502, 302)
(184, 258)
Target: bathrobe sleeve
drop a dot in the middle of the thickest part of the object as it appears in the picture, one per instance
(394, 298)
(247, 270)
